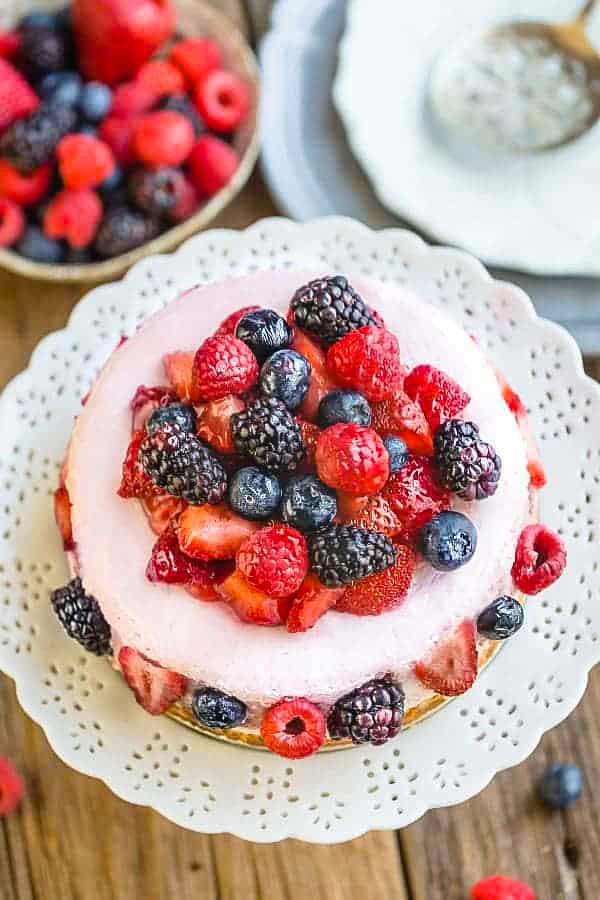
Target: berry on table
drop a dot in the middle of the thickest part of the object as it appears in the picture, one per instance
(268, 433)
(450, 668)
(254, 494)
(123, 229)
(402, 417)
(162, 138)
(344, 406)
(135, 482)
(222, 99)
(213, 532)
(371, 714)
(168, 564)
(308, 504)
(540, 559)
(162, 77)
(215, 709)
(30, 142)
(561, 785)
(448, 540)
(330, 308)
(25, 190)
(214, 422)
(501, 619)
(467, 465)
(35, 245)
(312, 601)
(352, 459)
(415, 495)
(223, 365)
(12, 789)
(154, 688)
(74, 216)
(286, 376)
(195, 58)
(12, 222)
(156, 191)
(180, 464)
(212, 164)
(81, 617)
(274, 560)
(367, 360)
(397, 451)
(438, 395)
(383, 591)
(17, 98)
(250, 604)
(95, 101)
(264, 330)
(294, 727)
(498, 887)
(84, 161)
(63, 88)
(342, 554)
(183, 415)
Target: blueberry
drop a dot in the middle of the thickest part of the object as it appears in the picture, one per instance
(448, 541)
(42, 20)
(561, 785)
(344, 406)
(215, 709)
(264, 331)
(114, 182)
(501, 619)
(89, 130)
(286, 376)
(398, 452)
(181, 414)
(78, 256)
(63, 88)
(35, 245)
(95, 101)
(307, 503)
(63, 17)
(254, 494)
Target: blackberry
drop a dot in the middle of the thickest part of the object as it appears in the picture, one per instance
(180, 464)
(179, 103)
(215, 709)
(342, 554)
(286, 375)
(181, 414)
(467, 465)
(156, 192)
(81, 617)
(329, 308)
(122, 229)
(43, 50)
(265, 332)
(268, 433)
(31, 141)
(371, 714)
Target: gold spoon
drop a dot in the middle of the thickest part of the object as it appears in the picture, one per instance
(524, 86)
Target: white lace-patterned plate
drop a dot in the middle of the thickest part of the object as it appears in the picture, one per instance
(86, 710)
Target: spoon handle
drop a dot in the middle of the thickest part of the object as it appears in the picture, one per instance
(586, 12)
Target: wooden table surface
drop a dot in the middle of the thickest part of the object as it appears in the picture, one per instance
(73, 840)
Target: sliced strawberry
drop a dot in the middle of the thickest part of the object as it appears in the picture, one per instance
(134, 481)
(349, 507)
(214, 422)
(377, 515)
(415, 496)
(146, 400)
(62, 514)
(155, 688)
(213, 532)
(321, 382)
(451, 667)
(161, 509)
(310, 436)
(229, 324)
(399, 415)
(438, 395)
(170, 565)
(312, 602)
(178, 369)
(386, 590)
(252, 605)
(535, 466)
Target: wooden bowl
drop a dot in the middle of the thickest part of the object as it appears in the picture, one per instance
(194, 18)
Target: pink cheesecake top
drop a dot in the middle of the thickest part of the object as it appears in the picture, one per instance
(206, 641)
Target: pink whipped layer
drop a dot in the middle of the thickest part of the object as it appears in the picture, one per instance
(206, 641)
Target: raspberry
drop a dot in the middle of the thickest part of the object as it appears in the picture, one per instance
(498, 887)
(12, 788)
(134, 480)
(84, 161)
(123, 229)
(30, 142)
(12, 222)
(81, 617)
(73, 215)
(372, 714)
(352, 458)
(400, 416)
(212, 164)
(132, 99)
(223, 365)
(385, 590)
(330, 308)
(294, 727)
(466, 465)
(222, 100)
(180, 464)
(376, 515)
(274, 560)
(438, 395)
(24, 190)
(415, 496)
(168, 564)
(195, 58)
(540, 559)
(342, 554)
(188, 201)
(17, 98)
(10, 41)
(163, 138)
(116, 134)
(156, 191)
(161, 77)
(367, 360)
(229, 324)
(268, 433)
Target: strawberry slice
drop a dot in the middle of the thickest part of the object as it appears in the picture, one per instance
(312, 602)
(134, 481)
(169, 565)
(155, 688)
(386, 590)
(399, 415)
(145, 401)
(349, 507)
(415, 496)
(310, 436)
(213, 532)
(252, 605)
(535, 466)
(214, 422)
(321, 382)
(161, 509)
(178, 369)
(451, 667)
(438, 395)
(377, 515)
(62, 514)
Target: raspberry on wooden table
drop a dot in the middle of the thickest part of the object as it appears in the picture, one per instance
(352, 458)
(367, 360)
(24, 190)
(498, 887)
(12, 789)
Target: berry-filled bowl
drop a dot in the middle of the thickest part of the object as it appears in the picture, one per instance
(220, 570)
(116, 143)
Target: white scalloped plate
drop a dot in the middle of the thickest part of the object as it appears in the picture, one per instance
(85, 709)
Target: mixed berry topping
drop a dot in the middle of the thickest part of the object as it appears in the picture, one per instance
(154, 688)
(81, 617)
(343, 554)
(307, 504)
(268, 433)
(448, 541)
(398, 452)
(181, 465)
(214, 709)
(286, 376)
(498, 887)
(255, 494)
(451, 667)
(372, 714)
(329, 308)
